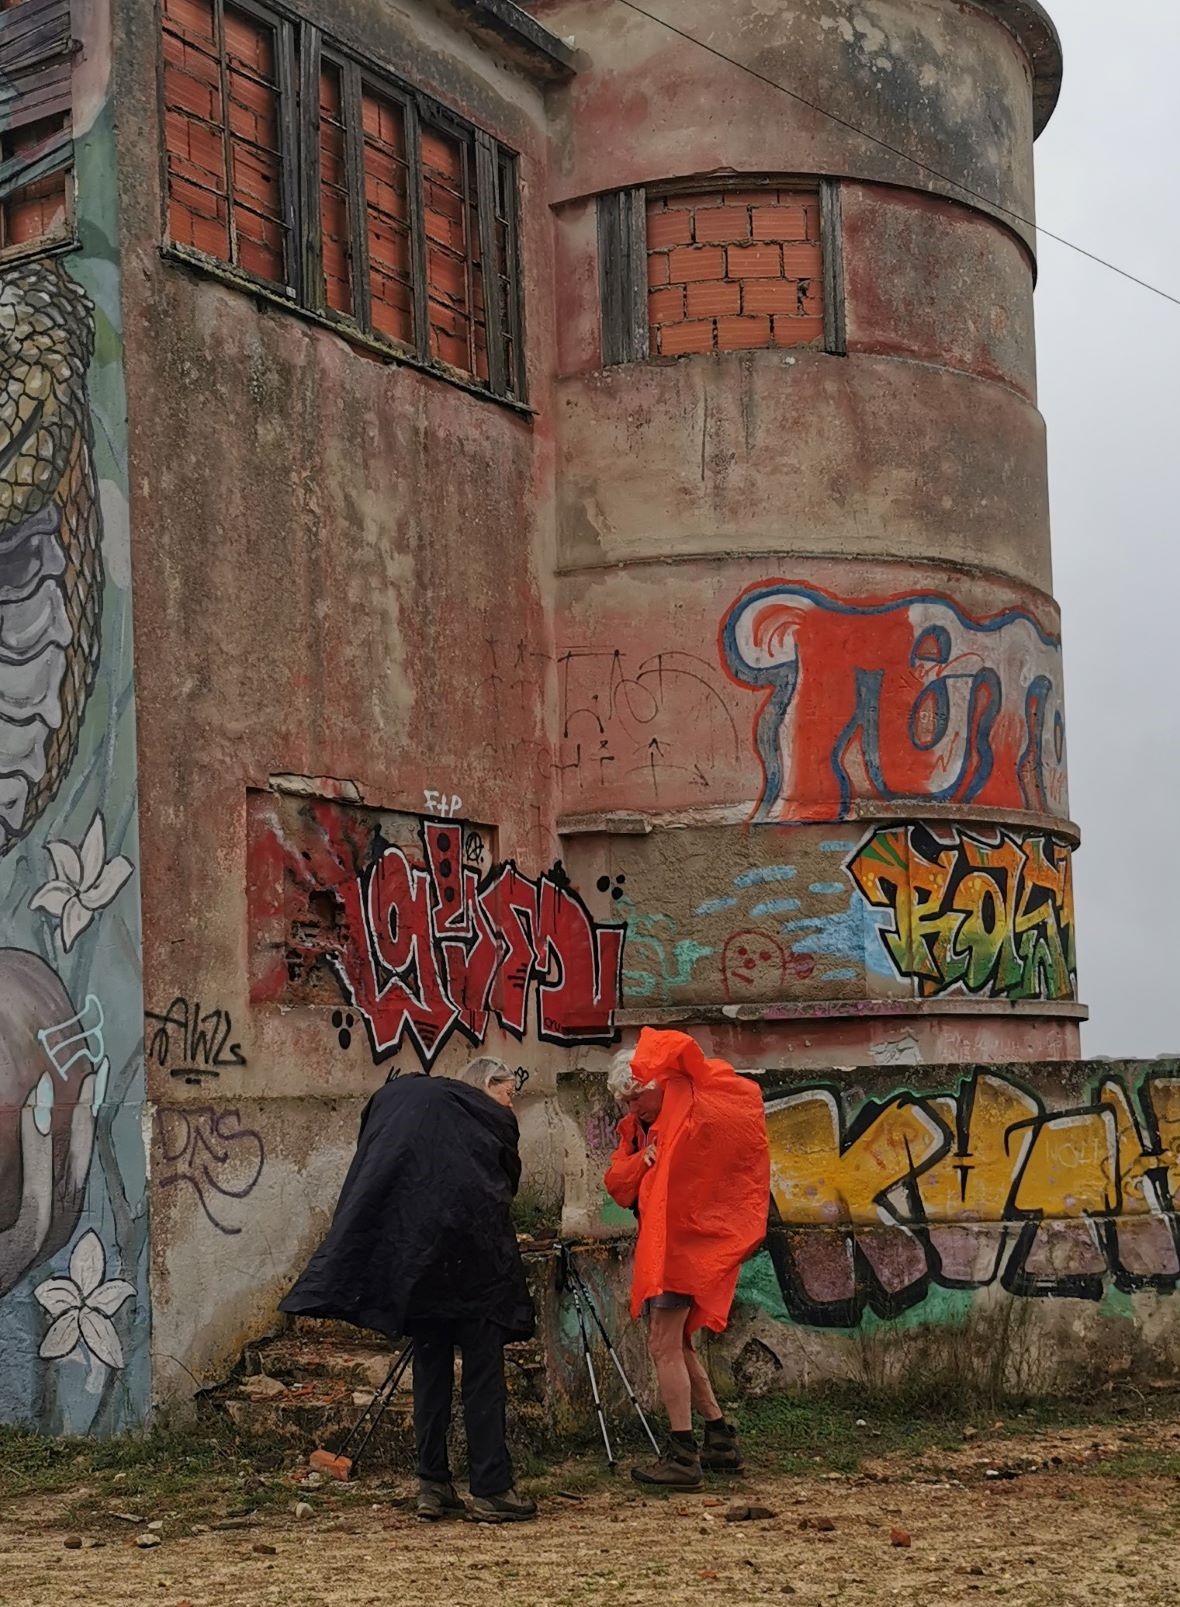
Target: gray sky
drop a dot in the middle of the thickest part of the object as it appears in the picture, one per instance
(1109, 356)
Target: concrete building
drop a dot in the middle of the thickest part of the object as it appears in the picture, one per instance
(517, 526)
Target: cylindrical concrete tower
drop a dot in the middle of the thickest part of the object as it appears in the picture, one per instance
(810, 695)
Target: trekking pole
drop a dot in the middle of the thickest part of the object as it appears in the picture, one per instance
(610, 1455)
(579, 1283)
(338, 1464)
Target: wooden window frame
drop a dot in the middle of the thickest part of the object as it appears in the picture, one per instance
(37, 53)
(622, 259)
(484, 158)
(290, 286)
(492, 172)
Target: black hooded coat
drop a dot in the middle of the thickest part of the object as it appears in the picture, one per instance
(423, 1232)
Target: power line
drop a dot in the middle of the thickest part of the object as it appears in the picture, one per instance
(895, 150)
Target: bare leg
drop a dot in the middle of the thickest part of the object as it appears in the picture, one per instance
(703, 1399)
(665, 1343)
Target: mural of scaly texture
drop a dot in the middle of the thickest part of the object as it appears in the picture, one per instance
(73, 1210)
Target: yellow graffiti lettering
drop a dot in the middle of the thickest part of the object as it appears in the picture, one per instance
(1072, 1168)
(1161, 1096)
(991, 914)
(966, 1187)
(818, 1180)
(973, 1182)
(924, 934)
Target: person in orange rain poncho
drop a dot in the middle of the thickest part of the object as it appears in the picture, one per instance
(693, 1162)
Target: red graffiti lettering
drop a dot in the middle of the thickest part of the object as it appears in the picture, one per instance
(424, 950)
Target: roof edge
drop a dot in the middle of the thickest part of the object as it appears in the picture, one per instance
(1037, 35)
(519, 36)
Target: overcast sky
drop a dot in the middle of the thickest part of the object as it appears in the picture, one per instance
(1109, 355)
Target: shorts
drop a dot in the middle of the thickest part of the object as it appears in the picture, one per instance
(666, 1302)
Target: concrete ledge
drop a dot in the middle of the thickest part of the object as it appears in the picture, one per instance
(1041, 42)
(529, 44)
(835, 1009)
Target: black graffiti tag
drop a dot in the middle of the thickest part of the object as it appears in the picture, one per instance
(191, 1044)
(213, 1153)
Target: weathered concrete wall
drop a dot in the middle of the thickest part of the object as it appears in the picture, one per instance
(806, 584)
(74, 1307)
(948, 84)
(1016, 1223)
(341, 569)
(759, 642)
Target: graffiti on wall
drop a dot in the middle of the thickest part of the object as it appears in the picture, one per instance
(874, 1204)
(73, 1222)
(893, 698)
(208, 1151)
(900, 913)
(654, 721)
(988, 912)
(426, 944)
(190, 1042)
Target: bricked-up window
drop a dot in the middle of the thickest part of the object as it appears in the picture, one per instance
(720, 270)
(36, 145)
(405, 216)
(227, 91)
(334, 207)
(387, 217)
(411, 223)
(734, 271)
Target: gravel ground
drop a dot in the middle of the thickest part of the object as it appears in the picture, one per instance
(1059, 1523)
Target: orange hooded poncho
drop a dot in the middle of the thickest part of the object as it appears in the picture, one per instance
(703, 1204)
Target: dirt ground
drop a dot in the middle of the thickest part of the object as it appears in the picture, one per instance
(1069, 1518)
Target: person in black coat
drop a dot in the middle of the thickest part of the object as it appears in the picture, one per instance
(422, 1245)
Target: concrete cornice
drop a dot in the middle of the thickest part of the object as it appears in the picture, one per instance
(1041, 43)
(520, 36)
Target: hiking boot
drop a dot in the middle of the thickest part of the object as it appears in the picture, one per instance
(437, 1501)
(721, 1452)
(678, 1469)
(508, 1507)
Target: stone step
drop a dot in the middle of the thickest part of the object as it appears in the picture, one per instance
(308, 1388)
(300, 1359)
(309, 1382)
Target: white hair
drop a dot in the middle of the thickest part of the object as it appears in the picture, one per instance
(621, 1079)
(485, 1071)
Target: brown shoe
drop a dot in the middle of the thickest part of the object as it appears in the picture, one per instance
(438, 1501)
(721, 1452)
(507, 1507)
(678, 1469)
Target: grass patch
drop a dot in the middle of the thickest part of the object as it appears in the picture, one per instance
(820, 1434)
(1138, 1462)
(197, 1474)
(210, 1471)
(808, 1436)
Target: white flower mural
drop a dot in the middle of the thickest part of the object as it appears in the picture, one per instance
(84, 882)
(82, 1306)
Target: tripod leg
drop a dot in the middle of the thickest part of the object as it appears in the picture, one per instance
(614, 1356)
(633, 1398)
(384, 1396)
(610, 1455)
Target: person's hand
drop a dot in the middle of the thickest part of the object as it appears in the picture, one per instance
(649, 1155)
